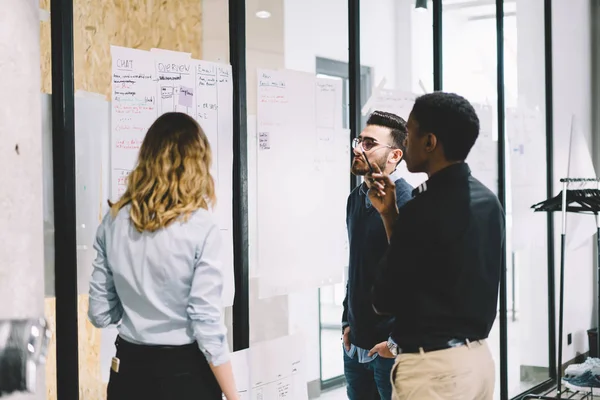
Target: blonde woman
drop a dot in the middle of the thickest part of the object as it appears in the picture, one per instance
(158, 274)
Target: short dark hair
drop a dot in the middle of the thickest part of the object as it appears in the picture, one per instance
(396, 124)
(451, 118)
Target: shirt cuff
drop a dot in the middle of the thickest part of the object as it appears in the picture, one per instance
(217, 356)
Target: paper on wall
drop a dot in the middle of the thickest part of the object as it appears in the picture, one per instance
(175, 84)
(147, 84)
(302, 149)
(134, 109)
(274, 369)
(328, 97)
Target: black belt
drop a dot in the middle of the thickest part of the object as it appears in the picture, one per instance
(435, 347)
(122, 344)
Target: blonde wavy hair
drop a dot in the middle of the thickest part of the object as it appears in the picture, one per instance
(172, 177)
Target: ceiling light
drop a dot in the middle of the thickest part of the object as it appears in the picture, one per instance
(263, 14)
(421, 5)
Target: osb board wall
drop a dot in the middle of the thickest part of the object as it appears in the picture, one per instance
(139, 24)
(45, 51)
(90, 385)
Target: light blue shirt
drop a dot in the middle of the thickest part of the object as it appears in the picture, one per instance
(163, 287)
(362, 354)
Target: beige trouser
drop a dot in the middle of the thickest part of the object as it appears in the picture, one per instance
(459, 373)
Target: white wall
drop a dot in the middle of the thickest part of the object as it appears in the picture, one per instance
(571, 35)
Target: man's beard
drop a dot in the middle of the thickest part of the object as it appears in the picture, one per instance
(360, 167)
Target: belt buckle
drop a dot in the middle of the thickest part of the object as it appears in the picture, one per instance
(456, 343)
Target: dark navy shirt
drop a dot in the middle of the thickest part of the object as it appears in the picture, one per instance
(368, 243)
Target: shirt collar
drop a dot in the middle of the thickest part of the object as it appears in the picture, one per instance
(394, 176)
(442, 177)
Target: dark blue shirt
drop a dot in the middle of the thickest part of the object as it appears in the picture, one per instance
(368, 243)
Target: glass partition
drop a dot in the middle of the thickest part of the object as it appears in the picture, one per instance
(470, 69)
(527, 262)
(300, 65)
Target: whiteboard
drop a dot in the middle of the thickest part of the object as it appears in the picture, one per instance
(92, 128)
(302, 164)
(147, 84)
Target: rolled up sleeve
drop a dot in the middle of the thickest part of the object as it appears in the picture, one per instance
(205, 308)
(105, 307)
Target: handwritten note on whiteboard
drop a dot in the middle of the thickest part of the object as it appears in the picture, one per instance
(328, 102)
(263, 141)
(207, 102)
(134, 109)
(175, 84)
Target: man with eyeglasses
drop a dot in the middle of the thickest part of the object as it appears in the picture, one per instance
(380, 145)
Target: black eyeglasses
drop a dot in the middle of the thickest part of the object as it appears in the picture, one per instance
(367, 144)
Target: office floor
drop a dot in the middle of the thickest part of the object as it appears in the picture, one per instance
(335, 394)
(331, 361)
(340, 394)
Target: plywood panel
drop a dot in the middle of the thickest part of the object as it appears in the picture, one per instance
(50, 312)
(139, 24)
(90, 385)
(45, 51)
